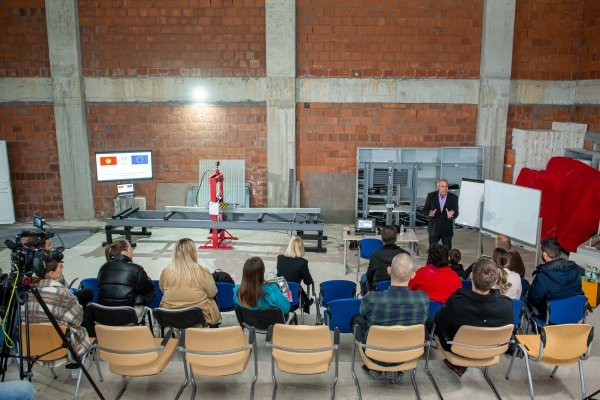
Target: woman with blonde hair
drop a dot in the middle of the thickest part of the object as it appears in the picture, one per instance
(294, 268)
(509, 282)
(185, 283)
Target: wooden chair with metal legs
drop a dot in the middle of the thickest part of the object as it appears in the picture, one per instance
(477, 347)
(380, 347)
(556, 345)
(303, 350)
(218, 352)
(133, 351)
(44, 341)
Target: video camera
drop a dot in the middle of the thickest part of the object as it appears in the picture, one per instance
(26, 258)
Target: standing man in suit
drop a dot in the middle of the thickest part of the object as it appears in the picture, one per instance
(442, 208)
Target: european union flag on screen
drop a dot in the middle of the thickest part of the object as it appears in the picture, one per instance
(139, 159)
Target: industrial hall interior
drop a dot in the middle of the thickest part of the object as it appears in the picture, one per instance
(299, 199)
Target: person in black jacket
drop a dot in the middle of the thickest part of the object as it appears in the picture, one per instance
(442, 209)
(294, 268)
(381, 259)
(482, 306)
(123, 283)
(556, 278)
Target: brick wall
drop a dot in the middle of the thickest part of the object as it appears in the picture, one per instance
(23, 39)
(589, 115)
(530, 117)
(179, 135)
(33, 157)
(589, 67)
(547, 39)
(174, 37)
(395, 38)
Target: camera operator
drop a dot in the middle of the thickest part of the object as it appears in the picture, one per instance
(121, 282)
(63, 305)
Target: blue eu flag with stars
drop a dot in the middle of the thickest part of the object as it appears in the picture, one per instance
(138, 160)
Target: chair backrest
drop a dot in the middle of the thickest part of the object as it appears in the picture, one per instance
(295, 290)
(183, 318)
(124, 339)
(563, 342)
(112, 316)
(340, 313)
(260, 319)
(479, 336)
(383, 285)
(42, 339)
(567, 311)
(434, 307)
(368, 246)
(225, 296)
(391, 337)
(217, 340)
(336, 289)
(467, 285)
(518, 307)
(159, 295)
(91, 283)
(302, 337)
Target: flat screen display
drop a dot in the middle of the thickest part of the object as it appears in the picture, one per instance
(124, 166)
(365, 224)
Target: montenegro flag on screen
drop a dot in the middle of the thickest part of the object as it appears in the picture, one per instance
(108, 161)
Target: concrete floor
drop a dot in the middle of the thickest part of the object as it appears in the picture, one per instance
(154, 254)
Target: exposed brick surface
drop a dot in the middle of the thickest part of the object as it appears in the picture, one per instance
(23, 39)
(589, 115)
(173, 37)
(30, 135)
(391, 38)
(589, 67)
(547, 39)
(328, 134)
(179, 135)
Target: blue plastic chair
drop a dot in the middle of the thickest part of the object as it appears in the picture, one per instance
(467, 285)
(90, 283)
(334, 290)
(368, 246)
(225, 296)
(295, 289)
(571, 310)
(383, 285)
(524, 288)
(518, 306)
(340, 312)
(159, 295)
(434, 307)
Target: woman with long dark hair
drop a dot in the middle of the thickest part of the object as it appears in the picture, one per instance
(254, 292)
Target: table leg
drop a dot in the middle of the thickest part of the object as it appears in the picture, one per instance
(345, 256)
(412, 249)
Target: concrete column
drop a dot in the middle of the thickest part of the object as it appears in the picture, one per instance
(494, 91)
(281, 98)
(62, 18)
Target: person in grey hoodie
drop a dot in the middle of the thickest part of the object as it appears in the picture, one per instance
(556, 278)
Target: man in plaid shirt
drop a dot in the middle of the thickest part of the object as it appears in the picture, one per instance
(397, 305)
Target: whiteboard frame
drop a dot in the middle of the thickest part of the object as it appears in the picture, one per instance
(481, 203)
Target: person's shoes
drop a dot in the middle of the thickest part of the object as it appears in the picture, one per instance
(456, 369)
(394, 376)
(75, 373)
(373, 374)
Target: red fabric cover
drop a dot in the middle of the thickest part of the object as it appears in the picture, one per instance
(570, 208)
(438, 283)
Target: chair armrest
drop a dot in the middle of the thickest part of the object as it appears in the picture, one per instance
(167, 337)
(328, 313)
(72, 282)
(269, 337)
(336, 336)
(252, 336)
(446, 336)
(181, 339)
(358, 333)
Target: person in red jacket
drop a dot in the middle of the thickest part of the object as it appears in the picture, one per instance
(436, 279)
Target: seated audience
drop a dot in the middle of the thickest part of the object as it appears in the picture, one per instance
(381, 259)
(63, 305)
(436, 279)
(294, 268)
(556, 278)
(254, 292)
(515, 262)
(482, 306)
(509, 281)
(123, 283)
(454, 262)
(185, 283)
(397, 305)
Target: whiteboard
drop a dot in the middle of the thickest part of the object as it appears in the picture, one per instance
(469, 203)
(511, 210)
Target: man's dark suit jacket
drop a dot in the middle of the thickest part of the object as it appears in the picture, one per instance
(440, 224)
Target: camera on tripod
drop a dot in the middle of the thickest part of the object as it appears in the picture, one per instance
(26, 259)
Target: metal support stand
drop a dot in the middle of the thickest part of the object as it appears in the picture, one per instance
(218, 238)
(318, 237)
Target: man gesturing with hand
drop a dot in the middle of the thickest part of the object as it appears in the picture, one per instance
(442, 208)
